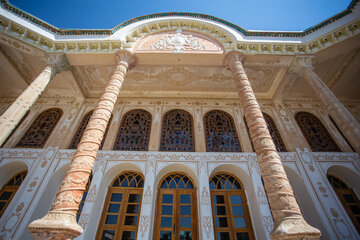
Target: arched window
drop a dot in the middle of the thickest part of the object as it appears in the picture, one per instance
(120, 215)
(134, 131)
(275, 134)
(176, 215)
(9, 189)
(230, 212)
(82, 202)
(220, 132)
(41, 128)
(315, 133)
(348, 199)
(16, 127)
(177, 131)
(81, 129)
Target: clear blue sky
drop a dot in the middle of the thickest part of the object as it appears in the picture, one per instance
(281, 15)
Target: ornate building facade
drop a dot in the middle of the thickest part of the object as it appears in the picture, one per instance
(179, 126)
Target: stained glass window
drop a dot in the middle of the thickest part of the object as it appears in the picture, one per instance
(81, 129)
(275, 134)
(9, 189)
(17, 126)
(348, 198)
(315, 133)
(220, 132)
(41, 128)
(177, 131)
(134, 131)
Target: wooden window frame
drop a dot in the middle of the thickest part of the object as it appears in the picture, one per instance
(176, 207)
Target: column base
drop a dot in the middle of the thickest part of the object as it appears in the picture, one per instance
(55, 226)
(296, 228)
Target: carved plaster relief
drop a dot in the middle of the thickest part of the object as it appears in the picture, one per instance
(179, 41)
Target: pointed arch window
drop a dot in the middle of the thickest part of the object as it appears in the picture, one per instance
(41, 128)
(8, 191)
(81, 129)
(220, 132)
(348, 199)
(275, 134)
(177, 131)
(176, 208)
(231, 215)
(134, 131)
(315, 133)
(120, 215)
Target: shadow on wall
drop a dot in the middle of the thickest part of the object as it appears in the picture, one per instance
(307, 205)
(47, 197)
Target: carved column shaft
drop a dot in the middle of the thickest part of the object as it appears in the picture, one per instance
(60, 222)
(341, 115)
(12, 116)
(288, 220)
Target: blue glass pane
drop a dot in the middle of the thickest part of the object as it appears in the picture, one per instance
(185, 198)
(185, 222)
(238, 210)
(132, 209)
(114, 208)
(235, 199)
(166, 210)
(167, 198)
(220, 210)
(130, 220)
(116, 197)
(166, 222)
(242, 236)
(111, 219)
(239, 222)
(134, 198)
(185, 210)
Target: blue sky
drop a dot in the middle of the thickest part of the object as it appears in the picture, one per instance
(281, 15)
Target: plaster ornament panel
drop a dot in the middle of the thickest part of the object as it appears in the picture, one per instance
(179, 41)
(91, 196)
(336, 156)
(12, 220)
(147, 198)
(261, 196)
(144, 224)
(205, 197)
(293, 166)
(84, 219)
(341, 227)
(268, 223)
(207, 225)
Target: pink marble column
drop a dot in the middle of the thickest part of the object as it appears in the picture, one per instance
(60, 222)
(288, 220)
(12, 116)
(341, 115)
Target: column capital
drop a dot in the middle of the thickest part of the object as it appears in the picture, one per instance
(301, 62)
(58, 61)
(126, 56)
(232, 57)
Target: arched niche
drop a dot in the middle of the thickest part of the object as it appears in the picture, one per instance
(103, 186)
(244, 177)
(350, 177)
(10, 169)
(46, 199)
(306, 203)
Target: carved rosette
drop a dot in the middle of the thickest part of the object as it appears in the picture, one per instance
(342, 116)
(72, 188)
(288, 220)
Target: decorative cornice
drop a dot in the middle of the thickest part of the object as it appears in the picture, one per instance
(23, 34)
(43, 24)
